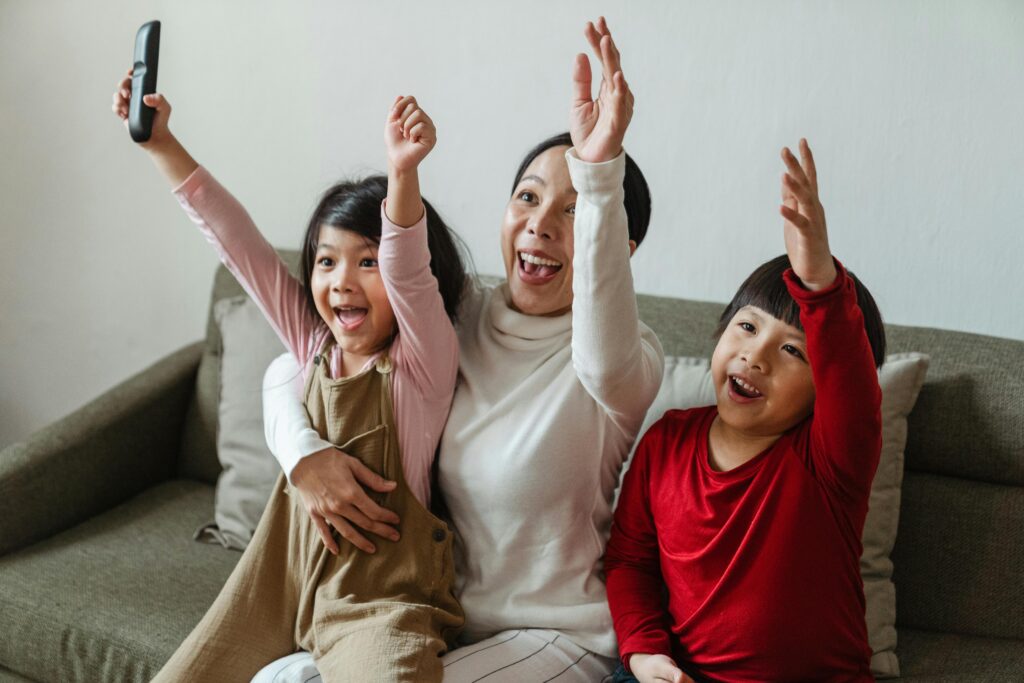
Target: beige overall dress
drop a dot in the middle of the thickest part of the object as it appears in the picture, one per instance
(380, 617)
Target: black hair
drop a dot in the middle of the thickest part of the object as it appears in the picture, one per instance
(638, 195)
(355, 205)
(766, 289)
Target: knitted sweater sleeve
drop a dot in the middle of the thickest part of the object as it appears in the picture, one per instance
(617, 358)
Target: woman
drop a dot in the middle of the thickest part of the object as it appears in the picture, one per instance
(555, 376)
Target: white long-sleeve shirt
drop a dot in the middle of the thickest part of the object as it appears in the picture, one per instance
(545, 412)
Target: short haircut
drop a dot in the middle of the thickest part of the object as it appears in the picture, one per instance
(766, 289)
(355, 206)
(638, 195)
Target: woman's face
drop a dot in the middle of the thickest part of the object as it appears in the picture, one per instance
(537, 236)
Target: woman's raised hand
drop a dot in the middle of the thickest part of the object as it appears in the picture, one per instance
(409, 134)
(804, 224)
(598, 126)
(122, 98)
(330, 483)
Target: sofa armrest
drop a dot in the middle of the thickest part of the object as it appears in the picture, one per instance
(109, 450)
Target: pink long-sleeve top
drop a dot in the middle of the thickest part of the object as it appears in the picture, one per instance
(424, 352)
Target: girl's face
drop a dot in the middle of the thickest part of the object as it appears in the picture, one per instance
(349, 292)
(537, 238)
(762, 374)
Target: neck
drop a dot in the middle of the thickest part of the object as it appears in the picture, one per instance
(728, 448)
(352, 363)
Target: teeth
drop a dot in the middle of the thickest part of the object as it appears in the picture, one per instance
(745, 386)
(537, 260)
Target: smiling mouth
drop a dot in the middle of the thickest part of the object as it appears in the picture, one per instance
(350, 317)
(743, 389)
(535, 269)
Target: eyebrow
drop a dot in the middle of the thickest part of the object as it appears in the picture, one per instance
(536, 178)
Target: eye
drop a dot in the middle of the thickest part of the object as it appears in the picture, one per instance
(747, 327)
(571, 210)
(793, 351)
(325, 262)
(368, 263)
(526, 196)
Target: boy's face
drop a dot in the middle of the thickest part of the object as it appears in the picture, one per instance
(762, 374)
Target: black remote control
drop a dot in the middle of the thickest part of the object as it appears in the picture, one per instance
(147, 53)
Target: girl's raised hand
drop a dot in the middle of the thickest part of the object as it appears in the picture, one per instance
(122, 97)
(598, 126)
(804, 225)
(409, 134)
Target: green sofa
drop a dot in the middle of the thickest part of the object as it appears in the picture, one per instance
(100, 579)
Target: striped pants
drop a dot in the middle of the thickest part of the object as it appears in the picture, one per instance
(520, 656)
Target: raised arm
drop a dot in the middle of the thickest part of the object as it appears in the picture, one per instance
(618, 360)
(427, 347)
(227, 226)
(846, 427)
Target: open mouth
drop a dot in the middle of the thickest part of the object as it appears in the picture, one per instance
(350, 317)
(742, 389)
(536, 269)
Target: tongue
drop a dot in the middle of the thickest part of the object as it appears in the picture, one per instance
(538, 270)
(352, 315)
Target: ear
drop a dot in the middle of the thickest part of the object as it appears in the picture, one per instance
(632, 248)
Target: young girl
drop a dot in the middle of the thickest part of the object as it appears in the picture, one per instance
(750, 512)
(371, 325)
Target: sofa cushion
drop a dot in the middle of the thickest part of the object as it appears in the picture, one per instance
(199, 449)
(952, 658)
(249, 469)
(113, 597)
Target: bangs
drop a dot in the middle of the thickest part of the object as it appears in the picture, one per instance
(765, 289)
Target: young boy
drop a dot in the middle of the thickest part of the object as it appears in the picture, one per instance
(734, 551)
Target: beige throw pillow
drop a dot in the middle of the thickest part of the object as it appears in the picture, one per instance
(249, 469)
(687, 384)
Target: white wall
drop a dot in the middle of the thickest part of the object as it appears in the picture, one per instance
(915, 110)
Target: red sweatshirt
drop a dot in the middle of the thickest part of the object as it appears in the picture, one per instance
(761, 563)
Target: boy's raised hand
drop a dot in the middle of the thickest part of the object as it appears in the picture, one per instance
(122, 98)
(656, 669)
(804, 225)
(598, 126)
(409, 134)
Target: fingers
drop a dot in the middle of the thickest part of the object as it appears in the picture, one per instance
(808, 162)
(790, 213)
(794, 168)
(324, 531)
(367, 524)
(413, 122)
(603, 45)
(349, 533)
(370, 479)
(802, 192)
(582, 81)
(367, 477)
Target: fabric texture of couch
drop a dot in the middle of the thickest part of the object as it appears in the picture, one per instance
(100, 578)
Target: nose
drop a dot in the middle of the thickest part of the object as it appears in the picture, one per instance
(344, 279)
(543, 223)
(755, 356)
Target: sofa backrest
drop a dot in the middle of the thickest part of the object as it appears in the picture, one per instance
(959, 556)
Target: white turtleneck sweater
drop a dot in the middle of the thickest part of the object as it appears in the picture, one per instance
(545, 412)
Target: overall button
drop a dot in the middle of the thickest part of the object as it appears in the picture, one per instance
(439, 535)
